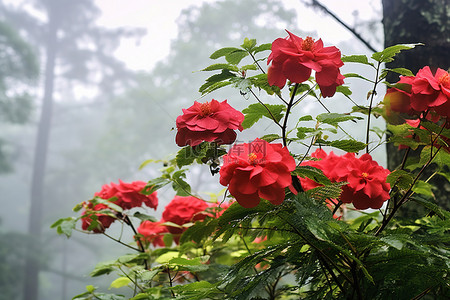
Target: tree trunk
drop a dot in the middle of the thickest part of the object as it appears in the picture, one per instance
(32, 264)
(418, 21)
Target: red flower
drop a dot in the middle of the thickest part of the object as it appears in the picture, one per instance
(426, 92)
(294, 58)
(210, 121)
(182, 210)
(257, 170)
(153, 232)
(128, 195)
(367, 186)
(104, 220)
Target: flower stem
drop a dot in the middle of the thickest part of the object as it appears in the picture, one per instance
(370, 106)
(288, 110)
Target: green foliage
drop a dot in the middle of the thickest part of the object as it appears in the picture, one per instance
(312, 245)
(254, 112)
(387, 55)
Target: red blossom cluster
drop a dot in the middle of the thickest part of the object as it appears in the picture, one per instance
(294, 58)
(367, 186)
(212, 121)
(125, 195)
(424, 92)
(257, 170)
(180, 211)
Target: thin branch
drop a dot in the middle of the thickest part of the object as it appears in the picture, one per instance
(335, 17)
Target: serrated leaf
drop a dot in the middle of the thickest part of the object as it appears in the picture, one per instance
(361, 59)
(355, 75)
(400, 178)
(302, 132)
(271, 137)
(305, 118)
(155, 184)
(221, 67)
(235, 57)
(263, 47)
(343, 89)
(103, 268)
(335, 118)
(387, 54)
(348, 145)
(186, 156)
(223, 51)
(402, 71)
(179, 184)
(248, 44)
(312, 173)
(423, 188)
(225, 74)
(254, 112)
(120, 282)
(209, 87)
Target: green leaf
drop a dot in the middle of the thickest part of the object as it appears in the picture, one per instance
(65, 226)
(361, 59)
(248, 67)
(120, 282)
(355, 75)
(442, 213)
(305, 118)
(186, 156)
(263, 47)
(103, 268)
(348, 145)
(387, 55)
(423, 188)
(155, 184)
(144, 217)
(335, 118)
(312, 173)
(254, 112)
(221, 67)
(401, 71)
(235, 57)
(223, 52)
(343, 89)
(400, 178)
(225, 74)
(271, 137)
(249, 44)
(209, 87)
(260, 82)
(179, 184)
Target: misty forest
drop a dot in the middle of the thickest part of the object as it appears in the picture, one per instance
(78, 120)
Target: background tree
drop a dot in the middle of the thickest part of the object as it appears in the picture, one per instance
(74, 50)
(18, 69)
(418, 21)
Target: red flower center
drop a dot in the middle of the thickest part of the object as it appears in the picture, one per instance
(445, 79)
(205, 109)
(308, 44)
(364, 175)
(252, 158)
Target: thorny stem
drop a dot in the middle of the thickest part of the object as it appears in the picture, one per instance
(370, 106)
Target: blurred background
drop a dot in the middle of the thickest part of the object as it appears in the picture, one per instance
(89, 89)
